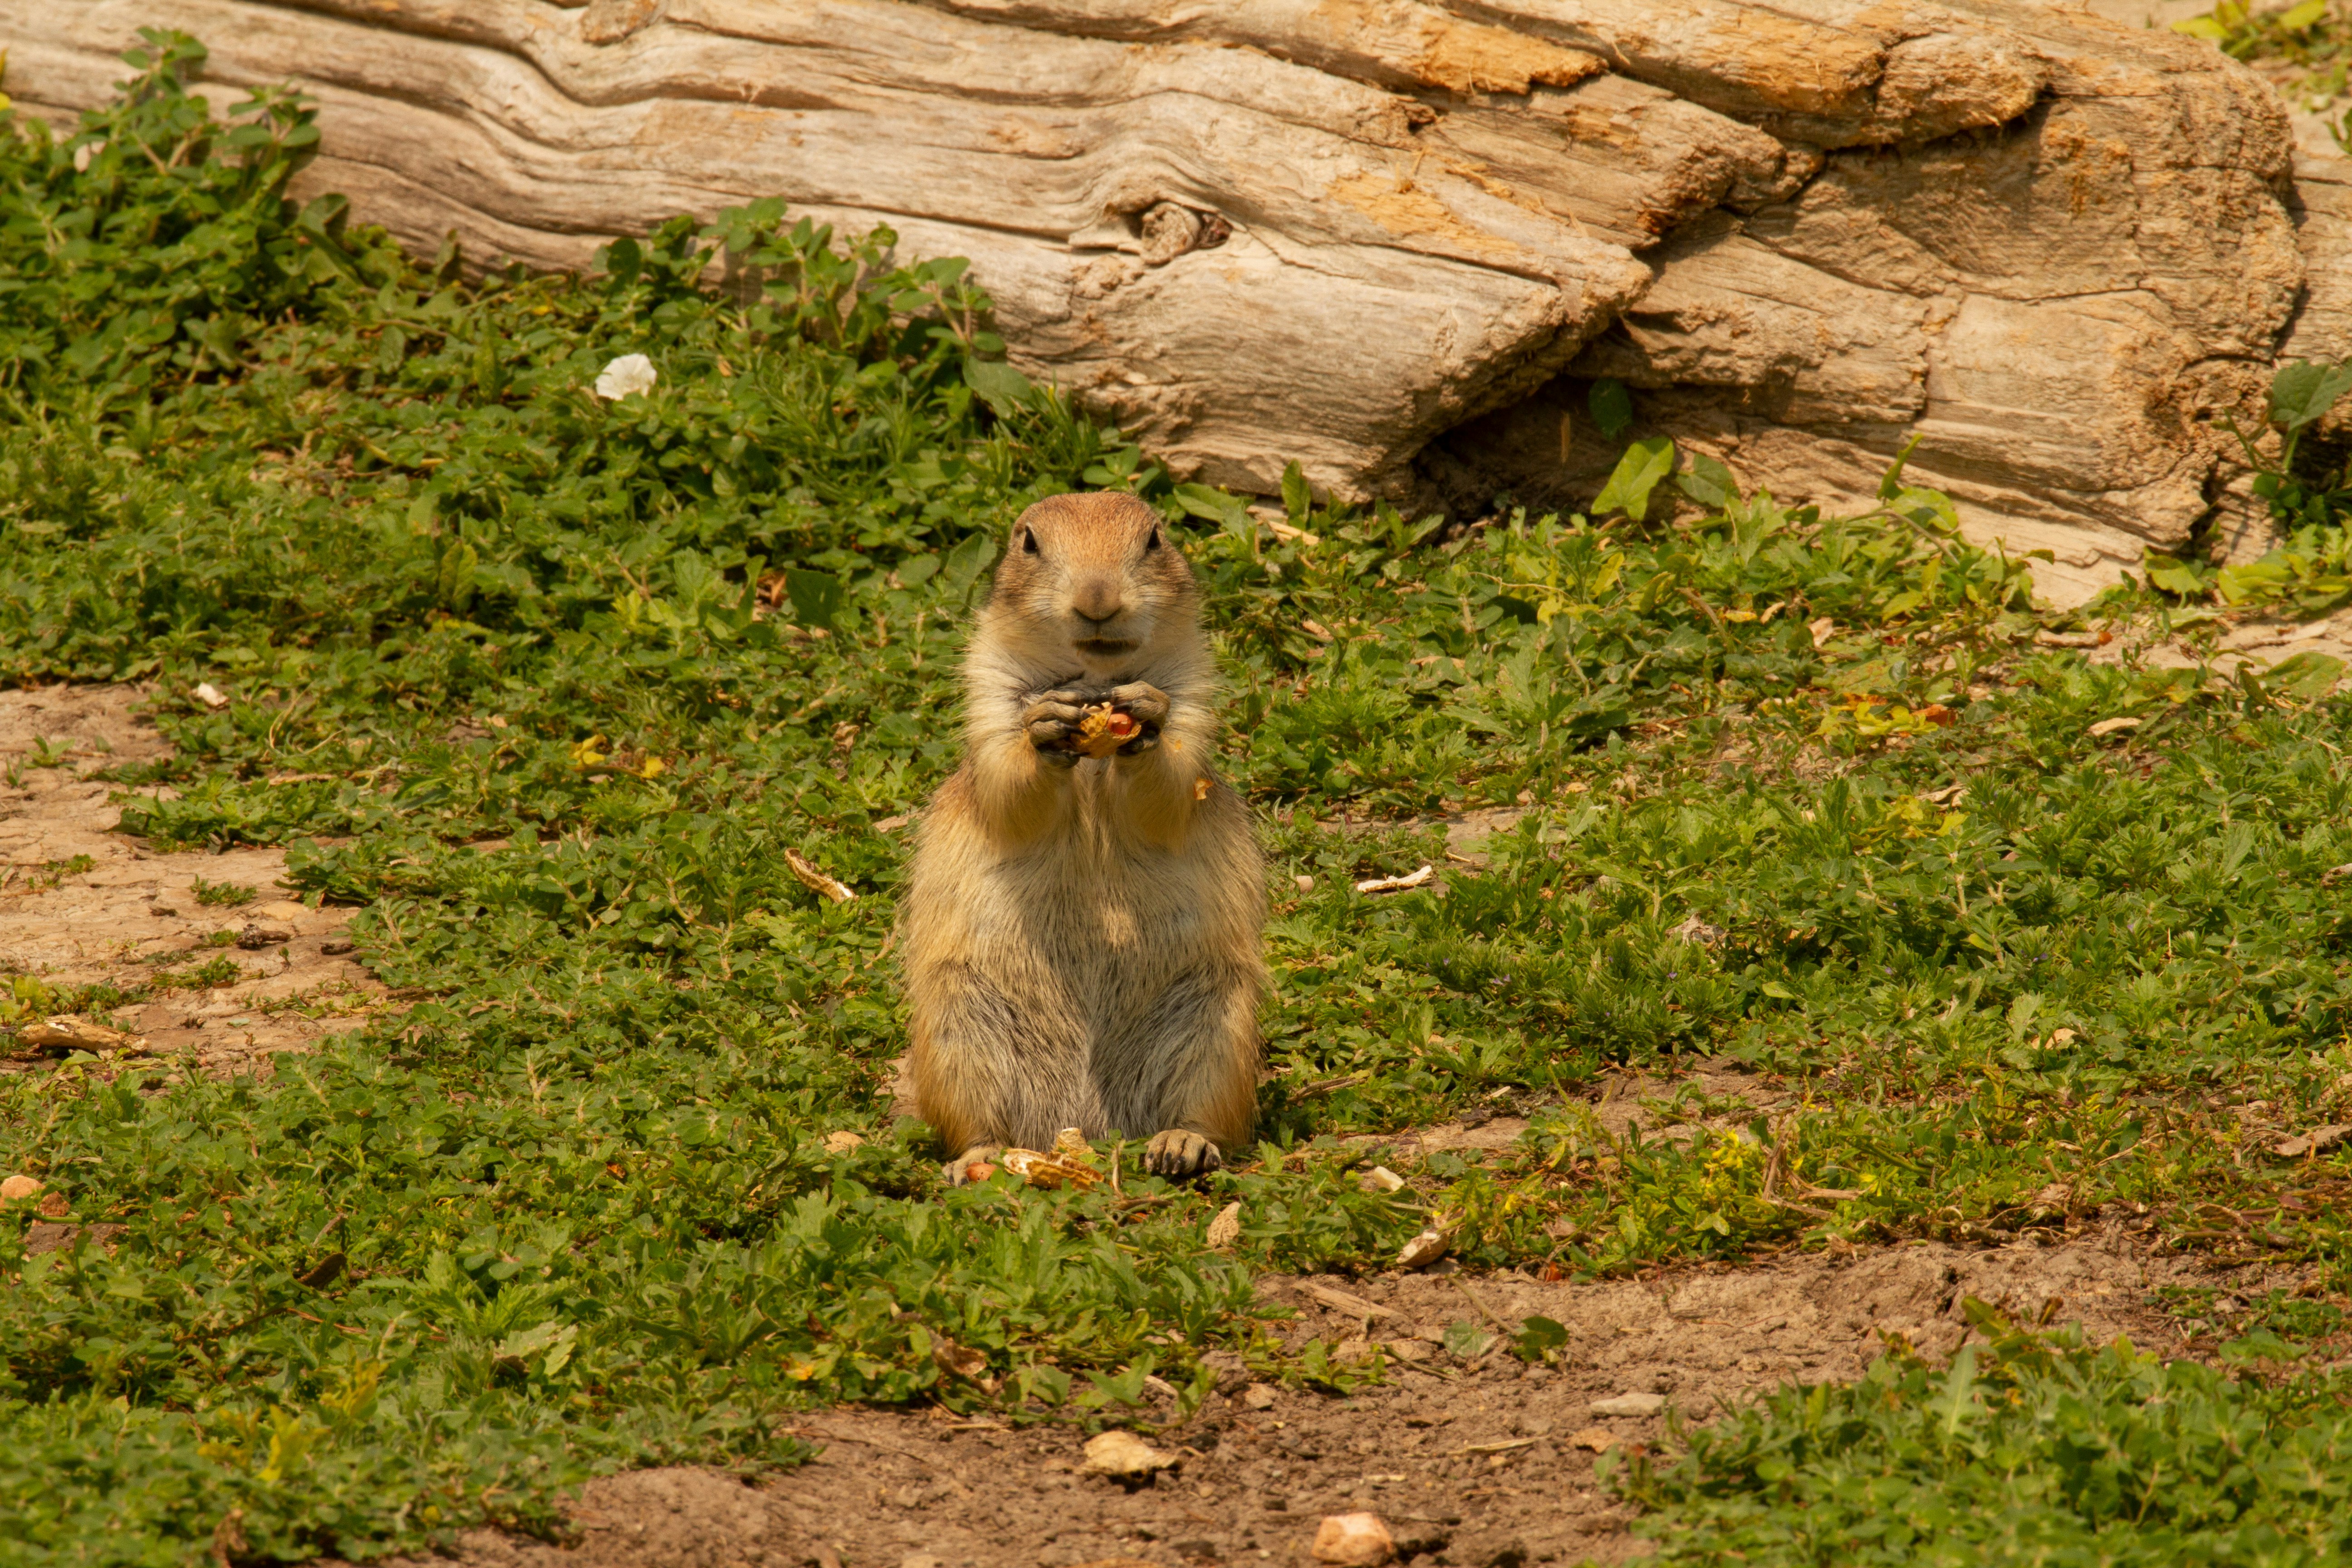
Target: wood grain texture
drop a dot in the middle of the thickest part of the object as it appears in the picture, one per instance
(2054, 249)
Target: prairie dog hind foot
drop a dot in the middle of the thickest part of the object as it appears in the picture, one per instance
(1176, 1152)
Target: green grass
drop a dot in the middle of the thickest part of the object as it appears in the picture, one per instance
(2302, 48)
(547, 684)
(226, 895)
(2029, 1449)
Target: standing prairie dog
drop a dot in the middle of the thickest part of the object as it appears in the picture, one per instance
(1081, 935)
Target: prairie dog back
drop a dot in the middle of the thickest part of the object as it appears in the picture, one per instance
(1081, 933)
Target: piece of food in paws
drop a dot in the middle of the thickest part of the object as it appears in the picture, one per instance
(1104, 729)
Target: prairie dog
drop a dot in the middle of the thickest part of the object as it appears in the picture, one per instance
(1081, 935)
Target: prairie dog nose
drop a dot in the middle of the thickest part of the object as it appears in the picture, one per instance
(1098, 599)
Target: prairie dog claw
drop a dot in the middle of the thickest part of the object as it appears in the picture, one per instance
(1176, 1152)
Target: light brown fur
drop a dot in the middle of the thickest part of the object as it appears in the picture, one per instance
(1081, 942)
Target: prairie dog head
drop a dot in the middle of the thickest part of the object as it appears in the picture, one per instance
(1093, 578)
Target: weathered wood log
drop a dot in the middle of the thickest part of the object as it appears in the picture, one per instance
(1396, 239)
(2058, 306)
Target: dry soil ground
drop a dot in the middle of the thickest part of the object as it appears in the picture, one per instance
(1479, 1462)
(1484, 1463)
(81, 904)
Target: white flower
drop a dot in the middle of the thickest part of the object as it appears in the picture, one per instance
(629, 373)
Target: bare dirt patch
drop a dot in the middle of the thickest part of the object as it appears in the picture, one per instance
(1477, 1461)
(82, 905)
(2259, 641)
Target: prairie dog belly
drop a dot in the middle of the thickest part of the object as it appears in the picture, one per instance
(1107, 928)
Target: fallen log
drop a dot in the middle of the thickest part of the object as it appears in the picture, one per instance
(1396, 241)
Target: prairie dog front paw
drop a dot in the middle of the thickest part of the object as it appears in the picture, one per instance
(1052, 721)
(1148, 706)
(1142, 700)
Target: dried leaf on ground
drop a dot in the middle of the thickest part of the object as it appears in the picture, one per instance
(2318, 1140)
(1425, 1248)
(815, 880)
(1343, 1301)
(1419, 879)
(55, 1036)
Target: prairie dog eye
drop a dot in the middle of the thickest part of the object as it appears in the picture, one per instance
(1028, 541)
(1151, 543)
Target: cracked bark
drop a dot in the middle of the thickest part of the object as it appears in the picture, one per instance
(2054, 249)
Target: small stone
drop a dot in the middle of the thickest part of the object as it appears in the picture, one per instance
(1256, 1396)
(843, 1141)
(20, 1186)
(1226, 1228)
(211, 696)
(1379, 1179)
(162, 911)
(256, 936)
(284, 911)
(1231, 1372)
(1596, 1438)
(1629, 1404)
(1421, 1537)
(1488, 1549)
(1407, 1350)
(336, 946)
(1126, 1455)
(1353, 1541)
(1305, 884)
(55, 1207)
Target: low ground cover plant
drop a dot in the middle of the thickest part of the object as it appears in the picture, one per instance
(549, 680)
(2029, 1447)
